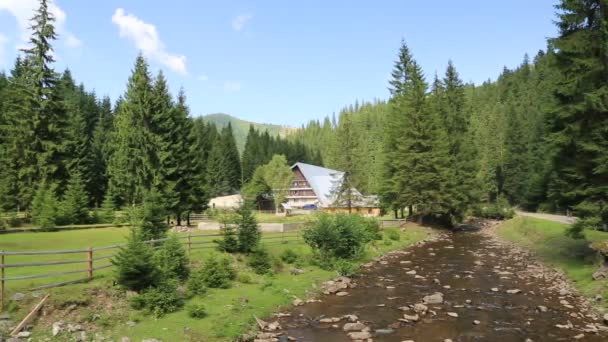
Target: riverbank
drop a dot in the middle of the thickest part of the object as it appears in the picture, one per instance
(102, 310)
(548, 242)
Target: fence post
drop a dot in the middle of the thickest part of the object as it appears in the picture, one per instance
(90, 260)
(189, 242)
(2, 259)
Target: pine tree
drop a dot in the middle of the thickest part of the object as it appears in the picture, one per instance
(248, 230)
(251, 154)
(106, 213)
(172, 259)
(132, 166)
(75, 204)
(217, 171)
(233, 160)
(152, 219)
(578, 126)
(136, 269)
(44, 206)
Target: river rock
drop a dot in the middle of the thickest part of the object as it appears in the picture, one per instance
(353, 326)
(359, 335)
(542, 308)
(514, 291)
(411, 318)
(351, 318)
(380, 332)
(24, 334)
(17, 297)
(57, 328)
(579, 336)
(452, 314)
(297, 302)
(420, 308)
(342, 294)
(330, 320)
(125, 339)
(436, 298)
(494, 289)
(151, 340)
(412, 272)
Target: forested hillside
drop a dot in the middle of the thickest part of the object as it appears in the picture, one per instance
(240, 127)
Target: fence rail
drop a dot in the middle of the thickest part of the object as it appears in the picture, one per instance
(91, 259)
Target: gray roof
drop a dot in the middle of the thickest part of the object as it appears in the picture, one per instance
(323, 181)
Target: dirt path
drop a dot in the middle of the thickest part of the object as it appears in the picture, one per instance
(489, 292)
(550, 217)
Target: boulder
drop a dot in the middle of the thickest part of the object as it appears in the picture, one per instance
(436, 298)
(353, 326)
(359, 335)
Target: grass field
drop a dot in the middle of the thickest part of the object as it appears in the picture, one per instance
(230, 311)
(548, 241)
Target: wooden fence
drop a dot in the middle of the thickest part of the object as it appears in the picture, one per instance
(92, 261)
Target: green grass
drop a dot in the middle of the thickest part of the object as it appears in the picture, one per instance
(230, 311)
(273, 218)
(548, 241)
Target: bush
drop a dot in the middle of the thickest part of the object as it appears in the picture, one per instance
(392, 234)
(244, 278)
(14, 220)
(248, 230)
(217, 272)
(196, 310)
(172, 259)
(135, 266)
(345, 268)
(289, 256)
(260, 261)
(196, 285)
(160, 300)
(340, 236)
(229, 242)
(500, 210)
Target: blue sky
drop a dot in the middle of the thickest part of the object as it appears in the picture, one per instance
(282, 62)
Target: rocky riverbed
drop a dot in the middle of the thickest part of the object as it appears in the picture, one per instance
(463, 286)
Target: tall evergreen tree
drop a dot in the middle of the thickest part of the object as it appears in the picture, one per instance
(579, 125)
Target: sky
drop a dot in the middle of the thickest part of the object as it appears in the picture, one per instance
(283, 62)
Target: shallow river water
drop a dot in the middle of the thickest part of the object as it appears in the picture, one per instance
(473, 273)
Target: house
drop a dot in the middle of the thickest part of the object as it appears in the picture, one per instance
(315, 187)
(226, 202)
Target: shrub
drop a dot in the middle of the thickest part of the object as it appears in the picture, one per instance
(14, 220)
(248, 230)
(160, 300)
(151, 217)
(172, 259)
(392, 234)
(217, 272)
(2, 224)
(340, 236)
(229, 242)
(500, 210)
(244, 278)
(345, 268)
(196, 285)
(196, 310)
(260, 261)
(387, 242)
(135, 266)
(289, 256)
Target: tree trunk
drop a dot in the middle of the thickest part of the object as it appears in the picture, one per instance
(178, 217)
(410, 210)
(395, 213)
(188, 219)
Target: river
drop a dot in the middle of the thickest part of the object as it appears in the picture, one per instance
(498, 294)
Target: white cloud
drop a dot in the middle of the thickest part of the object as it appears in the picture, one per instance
(23, 11)
(203, 77)
(145, 36)
(232, 85)
(239, 22)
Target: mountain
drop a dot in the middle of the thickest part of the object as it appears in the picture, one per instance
(240, 128)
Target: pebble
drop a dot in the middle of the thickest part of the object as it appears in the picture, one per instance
(452, 314)
(476, 322)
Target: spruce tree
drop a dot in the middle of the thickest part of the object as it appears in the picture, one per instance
(136, 268)
(44, 206)
(578, 126)
(132, 167)
(106, 212)
(232, 158)
(248, 230)
(172, 259)
(75, 204)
